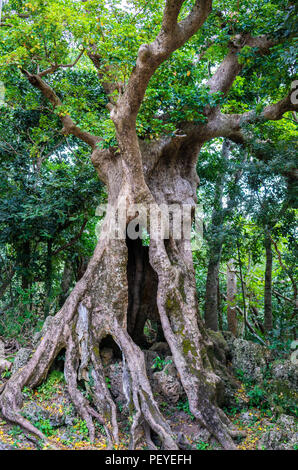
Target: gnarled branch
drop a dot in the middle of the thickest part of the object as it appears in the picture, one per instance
(69, 126)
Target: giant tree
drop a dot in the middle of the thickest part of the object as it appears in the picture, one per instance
(167, 68)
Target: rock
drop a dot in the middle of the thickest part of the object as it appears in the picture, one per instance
(69, 415)
(227, 390)
(115, 381)
(34, 413)
(203, 435)
(221, 348)
(4, 446)
(106, 355)
(286, 372)
(182, 442)
(149, 358)
(250, 358)
(4, 364)
(161, 348)
(22, 357)
(247, 417)
(282, 436)
(167, 382)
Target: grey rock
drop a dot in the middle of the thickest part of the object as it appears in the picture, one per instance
(114, 373)
(182, 442)
(22, 357)
(282, 436)
(220, 345)
(247, 417)
(34, 413)
(4, 364)
(249, 357)
(106, 355)
(4, 446)
(202, 435)
(286, 372)
(167, 383)
(161, 348)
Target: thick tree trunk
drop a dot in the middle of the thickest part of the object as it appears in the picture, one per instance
(231, 297)
(113, 299)
(268, 323)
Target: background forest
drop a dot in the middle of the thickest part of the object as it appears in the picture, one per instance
(246, 266)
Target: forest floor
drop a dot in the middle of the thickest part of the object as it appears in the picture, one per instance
(53, 414)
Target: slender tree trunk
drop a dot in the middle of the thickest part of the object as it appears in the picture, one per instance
(25, 259)
(231, 297)
(215, 242)
(6, 282)
(66, 282)
(219, 306)
(268, 323)
(211, 299)
(48, 279)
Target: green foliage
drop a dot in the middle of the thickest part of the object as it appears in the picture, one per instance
(48, 388)
(81, 427)
(108, 382)
(45, 427)
(159, 363)
(16, 431)
(201, 445)
(48, 187)
(6, 374)
(184, 406)
(257, 396)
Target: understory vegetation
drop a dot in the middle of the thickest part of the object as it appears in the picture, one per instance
(151, 342)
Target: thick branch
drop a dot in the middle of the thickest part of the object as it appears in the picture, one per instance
(69, 125)
(230, 125)
(224, 77)
(171, 13)
(172, 36)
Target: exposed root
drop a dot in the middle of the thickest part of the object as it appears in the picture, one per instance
(142, 406)
(96, 309)
(80, 402)
(176, 303)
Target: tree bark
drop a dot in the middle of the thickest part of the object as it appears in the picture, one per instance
(211, 299)
(215, 243)
(107, 300)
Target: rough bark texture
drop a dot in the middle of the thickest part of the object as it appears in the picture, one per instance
(101, 305)
(111, 299)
